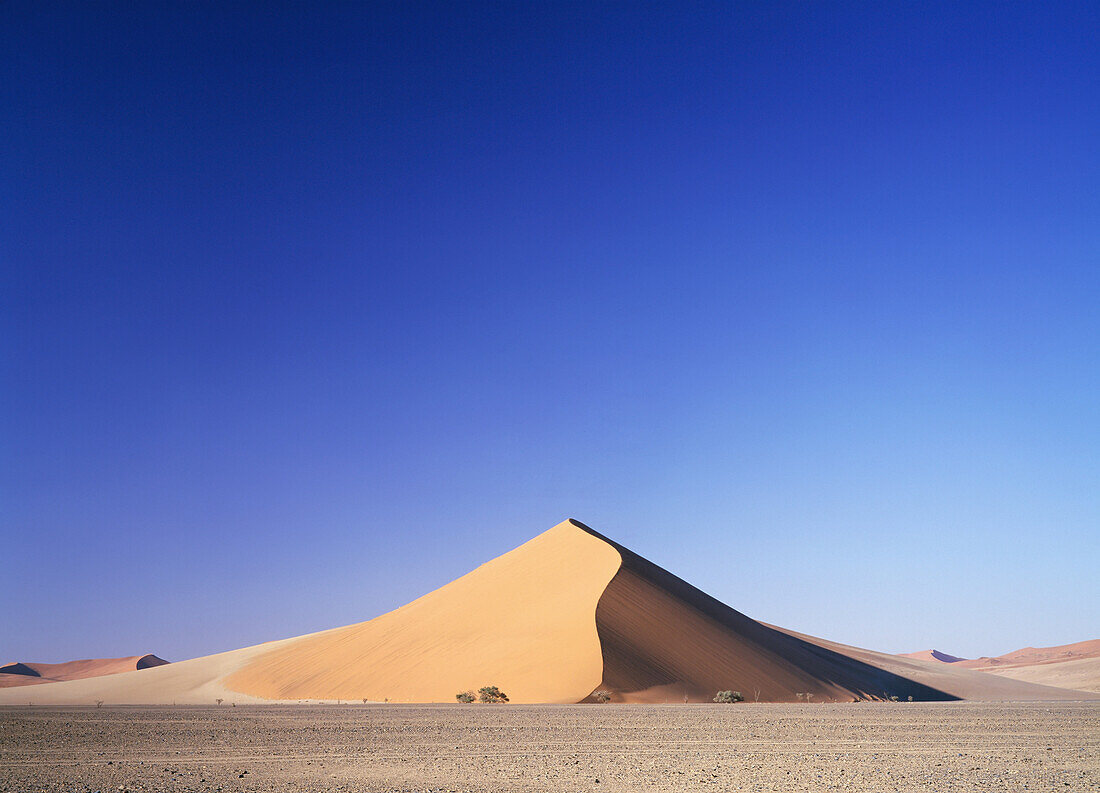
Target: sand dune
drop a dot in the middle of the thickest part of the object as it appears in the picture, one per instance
(33, 673)
(563, 615)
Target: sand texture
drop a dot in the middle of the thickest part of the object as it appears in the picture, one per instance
(563, 615)
(953, 747)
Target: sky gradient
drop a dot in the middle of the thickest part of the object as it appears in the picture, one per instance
(309, 309)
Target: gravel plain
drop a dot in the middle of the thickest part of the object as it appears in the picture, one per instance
(747, 747)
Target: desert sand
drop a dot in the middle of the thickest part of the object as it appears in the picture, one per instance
(27, 673)
(563, 615)
(948, 747)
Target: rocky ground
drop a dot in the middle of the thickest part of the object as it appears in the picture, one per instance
(745, 747)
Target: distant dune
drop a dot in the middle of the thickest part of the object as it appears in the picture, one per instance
(933, 655)
(28, 673)
(1034, 656)
(564, 615)
(1081, 673)
(1075, 666)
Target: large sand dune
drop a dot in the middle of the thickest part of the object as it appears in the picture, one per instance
(563, 615)
(28, 673)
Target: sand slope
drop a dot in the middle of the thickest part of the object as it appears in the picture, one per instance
(1081, 673)
(523, 622)
(26, 673)
(557, 618)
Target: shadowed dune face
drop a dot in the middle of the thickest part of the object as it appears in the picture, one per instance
(663, 640)
(18, 669)
(148, 661)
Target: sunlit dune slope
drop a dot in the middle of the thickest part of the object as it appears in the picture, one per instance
(1080, 673)
(523, 622)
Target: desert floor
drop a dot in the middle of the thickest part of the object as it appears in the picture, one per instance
(750, 747)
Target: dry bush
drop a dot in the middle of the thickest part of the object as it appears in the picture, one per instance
(491, 694)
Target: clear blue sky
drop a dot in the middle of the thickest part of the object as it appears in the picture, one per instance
(308, 309)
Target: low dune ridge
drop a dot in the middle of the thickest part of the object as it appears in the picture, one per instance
(934, 655)
(1074, 665)
(27, 673)
(1033, 656)
(566, 614)
(1082, 674)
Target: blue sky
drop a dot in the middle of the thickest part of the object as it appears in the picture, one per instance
(308, 309)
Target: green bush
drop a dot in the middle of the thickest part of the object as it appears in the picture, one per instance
(729, 697)
(491, 694)
(465, 696)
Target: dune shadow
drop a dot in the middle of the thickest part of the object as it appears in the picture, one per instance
(659, 633)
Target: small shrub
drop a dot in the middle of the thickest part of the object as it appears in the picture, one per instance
(99, 703)
(729, 697)
(910, 697)
(465, 696)
(601, 696)
(893, 697)
(491, 694)
(218, 701)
